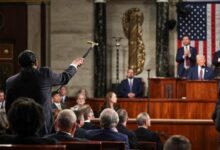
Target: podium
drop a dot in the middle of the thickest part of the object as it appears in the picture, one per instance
(174, 88)
(201, 90)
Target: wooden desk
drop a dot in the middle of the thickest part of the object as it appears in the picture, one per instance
(201, 132)
(202, 90)
(159, 108)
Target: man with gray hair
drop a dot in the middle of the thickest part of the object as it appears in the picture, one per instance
(177, 142)
(200, 71)
(143, 133)
(108, 121)
(65, 125)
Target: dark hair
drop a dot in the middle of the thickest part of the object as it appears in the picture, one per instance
(177, 142)
(54, 93)
(25, 117)
(86, 110)
(123, 115)
(26, 60)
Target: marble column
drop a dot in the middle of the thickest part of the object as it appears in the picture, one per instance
(162, 39)
(100, 59)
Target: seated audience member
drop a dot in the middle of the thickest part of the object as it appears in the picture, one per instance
(83, 91)
(2, 99)
(26, 119)
(80, 101)
(177, 142)
(56, 99)
(110, 102)
(88, 116)
(63, 94)
(65, 125)
(131, 87)
(108, 121)
(3, 122)
(80, 132)
(200, 71)
(143, 133)
(121, 127)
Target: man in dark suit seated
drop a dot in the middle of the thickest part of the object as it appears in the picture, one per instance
(56, 101)
(200, 72)
(80, 132)
(25, 118)
(108, 121)
(185, 57)
(88, 116)
(36, 82)
(143, 133)
(63, 94)
(65, 126)
(131, 87)
(121, 127)
(177, 142)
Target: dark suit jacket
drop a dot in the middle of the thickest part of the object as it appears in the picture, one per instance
(180, 60)
(193, 73)
(89, 126)
(55, 107)
(107, 135)
(131, 136)
(137, 88)
(143, 134)
(216, 64)
(216, 117)
(80, 133)
(38, 87)
(13, 139)
(62, 136)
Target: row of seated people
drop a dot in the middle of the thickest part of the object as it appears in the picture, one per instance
(26, 120)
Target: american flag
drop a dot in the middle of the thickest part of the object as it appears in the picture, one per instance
(202, 25)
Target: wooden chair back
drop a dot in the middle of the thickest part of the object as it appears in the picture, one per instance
(87, 145)
(113, 145)
(144, 145)
(31, 147)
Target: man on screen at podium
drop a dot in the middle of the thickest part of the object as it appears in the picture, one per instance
(185, 57)
(131, 87)
(200, 71)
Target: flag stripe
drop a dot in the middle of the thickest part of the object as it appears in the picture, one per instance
(205, 50)
(213, 30)
(209, 43)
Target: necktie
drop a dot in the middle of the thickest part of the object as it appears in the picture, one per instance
(130, 84)
(200, 74)
(187, 58)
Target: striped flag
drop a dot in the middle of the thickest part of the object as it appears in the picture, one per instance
(202, 25)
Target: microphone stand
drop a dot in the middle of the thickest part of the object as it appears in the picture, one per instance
(148, 98)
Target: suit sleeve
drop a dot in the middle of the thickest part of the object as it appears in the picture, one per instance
(122, 90)
(179, 56)
(64, 77)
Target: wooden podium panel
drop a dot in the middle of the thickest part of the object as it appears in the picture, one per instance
(202, 90)
(163, 88)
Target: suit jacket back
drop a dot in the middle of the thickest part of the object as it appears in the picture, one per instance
(38, 87)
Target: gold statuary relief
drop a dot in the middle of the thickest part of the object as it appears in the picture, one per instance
(132, 25)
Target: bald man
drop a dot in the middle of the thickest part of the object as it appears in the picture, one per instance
(200, 71)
